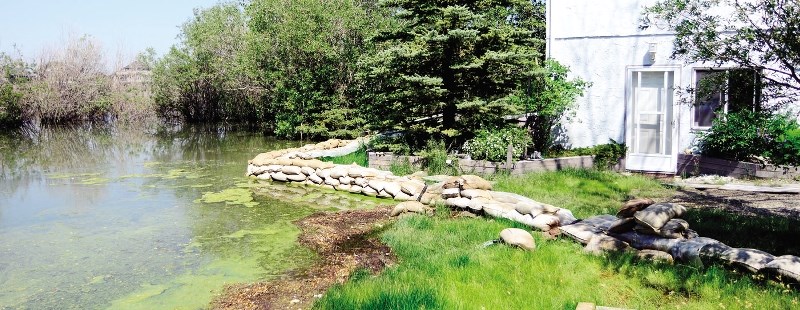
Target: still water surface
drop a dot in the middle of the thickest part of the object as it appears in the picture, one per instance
(125, 219)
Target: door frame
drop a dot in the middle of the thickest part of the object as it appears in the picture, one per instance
(673, 120)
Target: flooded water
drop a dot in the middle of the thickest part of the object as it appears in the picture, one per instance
(125, 219)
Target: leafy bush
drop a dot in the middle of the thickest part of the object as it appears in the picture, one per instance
(435, 159)
(493, 144)
(10, 109)
(607, 155)
(745, 135)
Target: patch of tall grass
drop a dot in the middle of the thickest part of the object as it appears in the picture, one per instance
(442, 265)
(358, 157)
(584, 192)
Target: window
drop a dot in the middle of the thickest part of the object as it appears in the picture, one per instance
(719, 91)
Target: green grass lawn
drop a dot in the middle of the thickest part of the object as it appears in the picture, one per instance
(442, 265)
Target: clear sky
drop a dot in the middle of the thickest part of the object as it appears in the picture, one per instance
(126, 27)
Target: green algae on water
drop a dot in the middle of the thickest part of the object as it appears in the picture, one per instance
(231, 196)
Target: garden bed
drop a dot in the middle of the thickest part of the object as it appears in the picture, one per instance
(699, 165)
(385, 160)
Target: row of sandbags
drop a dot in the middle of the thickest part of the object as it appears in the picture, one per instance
(659, 239)
(332, 147)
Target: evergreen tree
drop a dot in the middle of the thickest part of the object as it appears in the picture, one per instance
(452, 67)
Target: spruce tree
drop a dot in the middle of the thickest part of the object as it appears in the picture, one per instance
(450, 68)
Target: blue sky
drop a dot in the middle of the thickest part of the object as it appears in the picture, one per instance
(121, 26)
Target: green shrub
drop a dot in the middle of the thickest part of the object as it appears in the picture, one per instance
(607, 155)
(10, 109)
(744, 135)
(493, 144)
(434, 159)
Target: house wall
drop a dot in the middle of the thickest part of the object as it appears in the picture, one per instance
(599, 40)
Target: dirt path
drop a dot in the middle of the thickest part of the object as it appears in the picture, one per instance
(344, 244)
(745, 203)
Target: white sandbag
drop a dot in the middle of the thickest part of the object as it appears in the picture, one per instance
(451, 193)
(688, 251)
(475, 182)
(787, 267)
(384, 194)
(322, 173)
(315, 178)
(404, 197)
(296, 177)
(461, 203)
(427, 198)
(377, 185)
(495, 209)
(332, 181)
(355, 189)
(307, 170)
(657, 215)
(274, 168)
(264, 176)
(278, 176)
(392, 188)
(513, 215)
(346, 180)
(581, 232)
(749, 259)
(476, 204)
(337, 172)
(565, 217)
(360, 182)
(343, 187)
(600, 244)
(528, 208)
(475, 193)
(355, 172)
(369, 191)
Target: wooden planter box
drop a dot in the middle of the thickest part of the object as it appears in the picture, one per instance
(699, 165)
(383, 161)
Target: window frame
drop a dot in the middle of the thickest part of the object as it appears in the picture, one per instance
(724, 94)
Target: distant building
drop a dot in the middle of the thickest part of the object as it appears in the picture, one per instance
(136, 73)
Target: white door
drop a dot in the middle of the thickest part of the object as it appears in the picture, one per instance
(650, 131)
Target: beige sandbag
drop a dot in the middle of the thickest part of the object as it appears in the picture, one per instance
(264, 176)
(451, 193)
(622, 225)
(495, 209)
(515, 216)
(283, 161)
(475, 182)
(332, 181)
(412, 188)
(519, 238)
(427, 198)
(657, 215)
(253, 170)
(262, 159)
(600, 244)
(296, 177)
(274, 168)
(322, 173)
(289, 170)
(404, 197)
(529, 208)
(565, 217)
(655, 255)
(377, 185)
(307, 170)
(278, 176)
(343, 187)
(630, 207)
(545, 222)
(453, 182)
(462, 203)
(786, 267)
(392, 188)
(749, 259)
(475, 193)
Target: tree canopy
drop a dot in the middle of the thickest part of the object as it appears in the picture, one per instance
(756, 34)
(452, 67)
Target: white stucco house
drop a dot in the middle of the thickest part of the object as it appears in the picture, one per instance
(633, 97)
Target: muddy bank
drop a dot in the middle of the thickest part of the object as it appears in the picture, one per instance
(344, 242)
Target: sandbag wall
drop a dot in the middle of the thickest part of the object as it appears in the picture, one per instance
(654, 230)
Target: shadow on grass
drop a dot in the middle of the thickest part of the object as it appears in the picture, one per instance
(773, 234)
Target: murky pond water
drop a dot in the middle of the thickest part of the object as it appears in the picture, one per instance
(125, 219)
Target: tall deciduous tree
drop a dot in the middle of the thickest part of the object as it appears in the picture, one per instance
(757, 34)
(452, 67)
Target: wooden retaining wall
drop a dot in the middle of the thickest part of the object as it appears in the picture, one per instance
(699, 165)
(383, 160)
